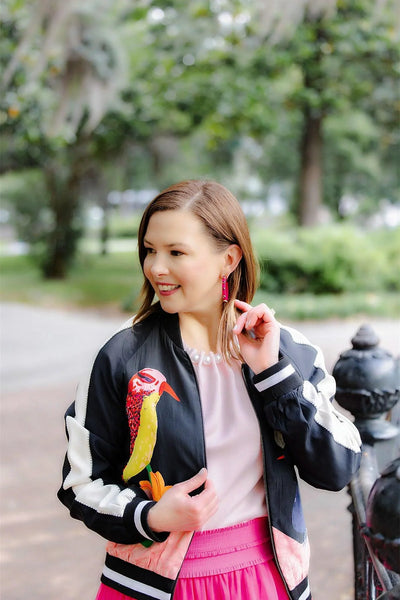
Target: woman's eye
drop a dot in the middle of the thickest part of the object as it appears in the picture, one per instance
(176, 253)
(149, 250)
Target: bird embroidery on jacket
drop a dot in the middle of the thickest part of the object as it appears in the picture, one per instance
(144, 391)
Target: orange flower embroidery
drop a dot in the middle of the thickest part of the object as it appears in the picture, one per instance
(155, 487)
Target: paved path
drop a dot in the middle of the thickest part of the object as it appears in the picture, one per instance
(45, 555)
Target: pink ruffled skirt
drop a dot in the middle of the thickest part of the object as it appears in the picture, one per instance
(234, 563)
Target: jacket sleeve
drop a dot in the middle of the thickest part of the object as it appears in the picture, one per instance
(296, 394)
(92, 487)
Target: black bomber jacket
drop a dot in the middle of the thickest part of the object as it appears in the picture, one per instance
(298, 425)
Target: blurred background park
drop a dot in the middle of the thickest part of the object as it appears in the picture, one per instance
(293, 104)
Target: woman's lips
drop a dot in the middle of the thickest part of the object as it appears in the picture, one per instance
(166, 289)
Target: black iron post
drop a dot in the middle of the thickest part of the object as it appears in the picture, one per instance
(368, 385)
(383, 516)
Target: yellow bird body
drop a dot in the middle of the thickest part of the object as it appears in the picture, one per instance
(146, 437)
(145, 389)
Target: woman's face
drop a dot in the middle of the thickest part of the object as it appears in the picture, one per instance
(182, 263)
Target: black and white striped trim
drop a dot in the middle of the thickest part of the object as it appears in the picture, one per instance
(136, 515)
(135, 582)
(138, 518)
(278, 379)
(275, 378)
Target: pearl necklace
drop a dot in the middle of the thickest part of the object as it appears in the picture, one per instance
(203, 358)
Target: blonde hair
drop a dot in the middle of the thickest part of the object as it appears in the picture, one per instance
(224, 221)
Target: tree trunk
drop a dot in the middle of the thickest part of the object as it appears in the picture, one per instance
(310, 184)
(105, 229)
(62, 240)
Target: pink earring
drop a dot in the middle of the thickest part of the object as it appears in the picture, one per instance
(225, 289)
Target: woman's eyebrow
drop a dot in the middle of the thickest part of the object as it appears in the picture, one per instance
(170, 245)
(180, 244)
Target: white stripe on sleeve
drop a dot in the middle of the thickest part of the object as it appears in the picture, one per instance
(275, 378)
(138, 522)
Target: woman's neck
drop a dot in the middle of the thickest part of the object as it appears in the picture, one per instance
(200, 332)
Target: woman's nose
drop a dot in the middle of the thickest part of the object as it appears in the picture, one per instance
(158, 266)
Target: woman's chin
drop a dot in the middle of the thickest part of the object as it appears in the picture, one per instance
(168, 307)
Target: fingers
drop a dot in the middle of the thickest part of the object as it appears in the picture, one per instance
(242, 327)
(252, 317)
(242, 319)
(259, 310)
(194, 482)
(241, 305)
(205, 505)
(178, 511)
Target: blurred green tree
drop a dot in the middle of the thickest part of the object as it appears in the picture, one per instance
(316, 85)
(313, 84)
(100, 88)
(348, 66)
(63, 70)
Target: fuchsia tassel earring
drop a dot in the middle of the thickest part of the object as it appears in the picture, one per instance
(225, 289)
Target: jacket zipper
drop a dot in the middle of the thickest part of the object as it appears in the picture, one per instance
(267, 498)
(201, 408)
(269, 524)
(205, 460)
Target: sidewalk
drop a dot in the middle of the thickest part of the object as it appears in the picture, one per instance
(45, 555)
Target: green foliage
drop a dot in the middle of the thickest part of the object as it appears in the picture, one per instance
(28, 197)
(327, 306)
(113, 282)
(124, 227)
(333, 259)
(63, 71)
(25, 196)
(86, 287)
(165, 90)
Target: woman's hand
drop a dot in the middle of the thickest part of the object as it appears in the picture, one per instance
(178, 511)
(258, 334)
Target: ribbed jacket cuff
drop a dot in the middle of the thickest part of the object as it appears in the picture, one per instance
(138, 514)
(278, 380)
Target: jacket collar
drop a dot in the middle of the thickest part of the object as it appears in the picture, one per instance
(170, 322)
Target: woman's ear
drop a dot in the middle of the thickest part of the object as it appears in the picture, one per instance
(233, 256)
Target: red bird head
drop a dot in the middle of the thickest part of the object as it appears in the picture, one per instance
(142, 384)
(147, 381)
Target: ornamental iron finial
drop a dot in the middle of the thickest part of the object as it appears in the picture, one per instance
(368, 385)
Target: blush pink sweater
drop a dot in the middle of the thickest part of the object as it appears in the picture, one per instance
(232, 438)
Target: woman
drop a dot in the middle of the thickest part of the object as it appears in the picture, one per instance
(183, 441)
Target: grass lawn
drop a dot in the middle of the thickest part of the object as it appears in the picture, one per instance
(114, 282)
(94, 281)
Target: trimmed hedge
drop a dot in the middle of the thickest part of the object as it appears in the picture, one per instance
(330, 259)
